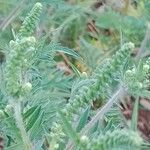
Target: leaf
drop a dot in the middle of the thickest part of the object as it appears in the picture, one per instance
(36, 128)
(33, 118)
(83, 120)
(58, 48)
(29, 112)
(68, 128)
(76, 71)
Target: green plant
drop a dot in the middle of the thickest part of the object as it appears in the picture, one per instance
(44, 107)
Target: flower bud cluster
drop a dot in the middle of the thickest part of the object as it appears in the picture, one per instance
(15, 63)
(136, 79)
(104, 78)
(118, 139)
(30, 21)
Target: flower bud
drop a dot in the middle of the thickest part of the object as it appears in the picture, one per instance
(27, 87)
(32, 40)
(146, 68)
(131, 45)
(56, 146)
(8, 109)
(139, 85)
(84, 139)
(129, 73)
(12, 43)
(84, 75)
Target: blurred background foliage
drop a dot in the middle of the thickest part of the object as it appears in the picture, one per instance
(88, 26)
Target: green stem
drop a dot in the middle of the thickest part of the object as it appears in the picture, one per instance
(134, 120)
(20, 124)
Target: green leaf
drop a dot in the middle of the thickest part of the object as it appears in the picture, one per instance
(83, 119)
(76, 71)
(36, 128)
(29, 112)
(58, 48)
(68, 128)
(33, 118)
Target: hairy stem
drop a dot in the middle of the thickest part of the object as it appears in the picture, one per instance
(20, 124)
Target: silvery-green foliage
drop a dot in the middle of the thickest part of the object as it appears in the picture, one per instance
(55, 107)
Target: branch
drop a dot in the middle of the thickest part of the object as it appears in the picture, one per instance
(144, 43)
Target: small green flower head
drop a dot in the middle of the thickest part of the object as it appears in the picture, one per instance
(12, 44)
(146, 68)
(1, 114)
(31, 20)
(84, 75)
(138, 85)
(9, 109)
(26, 88)
(129, 46)
(28, 41)
(84, 140)
(56, 146)
(129, 73)
(15, 62)
(118, 139)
